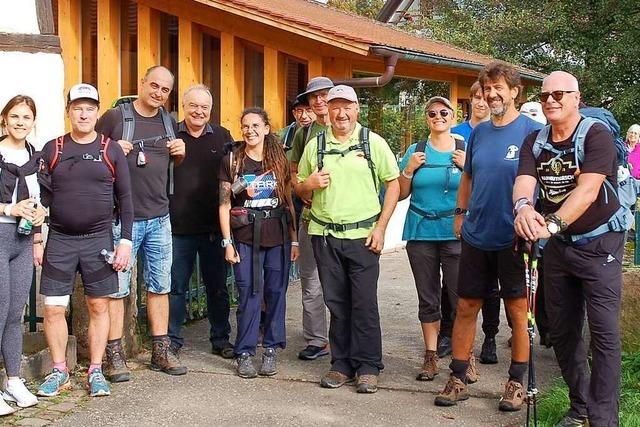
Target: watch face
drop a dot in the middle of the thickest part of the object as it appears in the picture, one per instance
(553, 228)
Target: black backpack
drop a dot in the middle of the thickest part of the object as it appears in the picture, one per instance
(362, 145)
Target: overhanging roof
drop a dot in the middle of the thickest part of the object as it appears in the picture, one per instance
(331, 25)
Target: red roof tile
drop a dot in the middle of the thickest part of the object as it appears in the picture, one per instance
(357, 29)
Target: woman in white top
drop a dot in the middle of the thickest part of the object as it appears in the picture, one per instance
(19, 191)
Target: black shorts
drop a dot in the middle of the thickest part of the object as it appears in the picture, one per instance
(480, 270)
(66, 255)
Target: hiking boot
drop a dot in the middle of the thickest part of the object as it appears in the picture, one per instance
(17, 392)
(513, 397)
(444, 346)
(268, 367)
(454, 391)
(312, 352)
(429, 366)
(334, 379)
(165, 359)
(488, 354)
(115, 364)
(245, 368)
(472, 371)
(569, 421)
(54, 383)
(225, 351)
(367, 383)
(97, 384)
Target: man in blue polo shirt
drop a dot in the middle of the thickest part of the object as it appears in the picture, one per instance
(487, 234)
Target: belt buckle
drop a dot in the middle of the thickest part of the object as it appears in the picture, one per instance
(266, 214)
(342, 228)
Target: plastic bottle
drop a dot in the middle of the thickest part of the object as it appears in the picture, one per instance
(109, 256)
(25, 226)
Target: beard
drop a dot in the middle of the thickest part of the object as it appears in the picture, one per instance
(501, 109)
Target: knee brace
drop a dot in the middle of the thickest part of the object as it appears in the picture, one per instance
(57, 300)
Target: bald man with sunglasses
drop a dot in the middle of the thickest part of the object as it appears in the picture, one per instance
(583, 257)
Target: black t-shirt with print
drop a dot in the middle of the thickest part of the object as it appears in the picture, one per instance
(557, 178)
(260, 194)
(148, 183)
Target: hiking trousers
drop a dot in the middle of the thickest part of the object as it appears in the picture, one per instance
(587, 276)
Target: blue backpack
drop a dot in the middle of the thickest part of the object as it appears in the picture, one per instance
(628, 187)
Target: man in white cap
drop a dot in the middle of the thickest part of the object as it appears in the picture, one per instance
(341, 170)
(84, 171)
(533, 110)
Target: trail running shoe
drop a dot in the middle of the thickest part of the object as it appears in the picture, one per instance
(54, 383)
(17, 392)
(98, 385)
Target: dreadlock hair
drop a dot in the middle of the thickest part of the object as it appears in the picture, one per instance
(273, 156)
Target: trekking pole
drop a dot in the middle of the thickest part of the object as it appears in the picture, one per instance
(530, 255)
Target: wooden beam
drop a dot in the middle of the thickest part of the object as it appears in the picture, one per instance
(31, 43)
(189, 54)
(337, 68)
(275, 87)
(44, 12)
(314, 67)
(231, 82)
(453, 93)
(108, 51)
(148, 39)
(69, 30)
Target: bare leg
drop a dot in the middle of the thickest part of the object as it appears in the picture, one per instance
(158, 313)
(56, 332)
(98, 327)
(517, 310)
(430, 334)
(116, 318)
(464, 327)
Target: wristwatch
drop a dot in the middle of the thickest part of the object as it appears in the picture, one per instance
(226, 242)
(460, 211)
(555, 224)
(553, 228)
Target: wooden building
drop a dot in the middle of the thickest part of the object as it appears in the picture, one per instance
(249, 52)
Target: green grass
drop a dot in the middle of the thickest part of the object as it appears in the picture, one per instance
(553, 403)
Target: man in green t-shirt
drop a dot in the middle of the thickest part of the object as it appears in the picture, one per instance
(347, 233)
(314, 312)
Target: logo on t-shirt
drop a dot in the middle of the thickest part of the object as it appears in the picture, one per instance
(511, 152)
(557, 178)
(260, 190)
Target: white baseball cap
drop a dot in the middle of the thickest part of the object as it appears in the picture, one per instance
(342, 92)
(83, 91)
(533, 110)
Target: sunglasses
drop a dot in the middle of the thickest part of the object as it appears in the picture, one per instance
(557, 95)
(432, 113)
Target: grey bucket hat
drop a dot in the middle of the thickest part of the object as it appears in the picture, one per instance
(314, 85)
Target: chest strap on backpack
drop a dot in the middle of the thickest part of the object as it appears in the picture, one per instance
(256, 217)
(431, 215)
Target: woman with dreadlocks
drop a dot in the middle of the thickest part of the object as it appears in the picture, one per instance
(259, 237)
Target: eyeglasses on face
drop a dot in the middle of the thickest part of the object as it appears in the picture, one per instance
(557, 95)
(433, 113)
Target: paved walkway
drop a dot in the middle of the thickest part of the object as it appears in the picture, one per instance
(212, 394)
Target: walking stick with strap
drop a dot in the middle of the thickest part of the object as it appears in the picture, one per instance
(531, 253)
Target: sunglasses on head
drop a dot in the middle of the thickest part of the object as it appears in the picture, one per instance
(432, 113)
(557, 95)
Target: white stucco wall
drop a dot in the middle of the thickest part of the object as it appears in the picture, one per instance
(18, 16)
(41, 76)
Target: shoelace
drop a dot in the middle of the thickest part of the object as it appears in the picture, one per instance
(57, 376)
(511, 390)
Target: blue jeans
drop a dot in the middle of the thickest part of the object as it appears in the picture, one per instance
(153, 237)
(214, 273)
(273, 291)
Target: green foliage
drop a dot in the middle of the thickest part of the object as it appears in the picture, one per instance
(369, 8)
(553, 404)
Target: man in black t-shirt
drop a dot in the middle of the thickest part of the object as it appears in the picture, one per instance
(581, 267)
(149, 155)
(195, 224)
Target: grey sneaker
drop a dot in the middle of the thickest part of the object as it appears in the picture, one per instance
(269, 358)
(245, 368)
(569, 421)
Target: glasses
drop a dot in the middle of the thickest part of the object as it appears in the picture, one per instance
(432, 113)
(557, 95)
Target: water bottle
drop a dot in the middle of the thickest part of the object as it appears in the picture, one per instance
(109, 256)
(239, 185)
(25, 226)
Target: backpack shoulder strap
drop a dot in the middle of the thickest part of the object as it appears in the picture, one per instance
(460, 145)
(421, 146)
(541, 141)
(580, 135)
(287, 141)
(128, 121)
(366, 148)
(104, 147)
(168, 123)
(56, 153)
(322, 146)
(307, 133)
